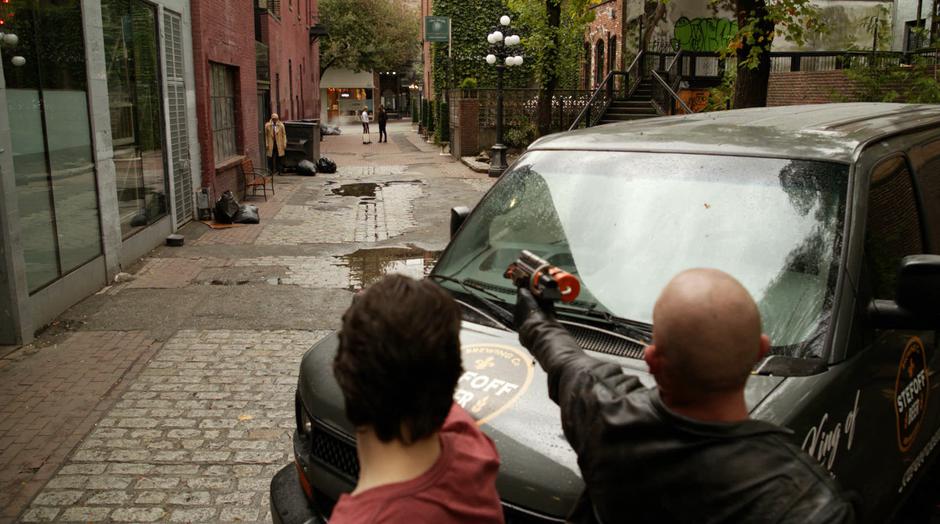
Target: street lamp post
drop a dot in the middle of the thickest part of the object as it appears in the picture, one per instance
(502, 41)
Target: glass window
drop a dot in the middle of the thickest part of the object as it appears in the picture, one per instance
(774, 224)
(50, 133)
(223, 112)
(893, 229)
(926, 160)
(130, 37)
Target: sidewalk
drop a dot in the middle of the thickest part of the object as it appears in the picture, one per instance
(170, 396)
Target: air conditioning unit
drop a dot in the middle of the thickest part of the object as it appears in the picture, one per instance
(262, 4)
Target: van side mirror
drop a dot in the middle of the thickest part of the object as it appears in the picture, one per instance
(915, 305)
(457, 217)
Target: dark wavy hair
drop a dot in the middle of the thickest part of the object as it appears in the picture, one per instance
(399, 358)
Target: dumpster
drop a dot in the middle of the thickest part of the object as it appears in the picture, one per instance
(303, 142)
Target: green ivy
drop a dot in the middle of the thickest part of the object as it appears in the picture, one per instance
(470, 23)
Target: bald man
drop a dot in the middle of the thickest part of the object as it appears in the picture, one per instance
(685, 451)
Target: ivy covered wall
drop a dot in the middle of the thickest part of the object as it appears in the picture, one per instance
(470, 23)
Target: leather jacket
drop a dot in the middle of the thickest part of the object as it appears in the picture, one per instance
(641, 462)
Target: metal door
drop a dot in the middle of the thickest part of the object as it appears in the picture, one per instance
(179, 132)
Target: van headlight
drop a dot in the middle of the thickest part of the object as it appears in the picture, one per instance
(304, 422)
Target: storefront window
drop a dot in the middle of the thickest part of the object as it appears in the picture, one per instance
(130, 41)
(50, 132)
(347, 101)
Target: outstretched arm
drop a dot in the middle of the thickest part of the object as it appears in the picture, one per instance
(577, 382)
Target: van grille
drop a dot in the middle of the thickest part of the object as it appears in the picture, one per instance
(338, 454)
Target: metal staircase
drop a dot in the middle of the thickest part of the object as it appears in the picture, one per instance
(639, 92)
(638, 105)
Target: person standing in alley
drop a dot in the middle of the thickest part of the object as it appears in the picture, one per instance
(382, 118)
(364, 118)
(275, 141)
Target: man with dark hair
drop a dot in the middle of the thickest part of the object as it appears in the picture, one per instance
(422, 458)
(685, 451)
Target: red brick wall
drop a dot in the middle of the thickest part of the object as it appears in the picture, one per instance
(223, 32)
(294, 59)
(606, 24)
(428, 92)
(809, 87)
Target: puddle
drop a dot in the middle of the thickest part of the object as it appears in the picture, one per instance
(369, 265)
(365, 189)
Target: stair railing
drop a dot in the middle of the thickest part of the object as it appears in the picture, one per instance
(665, 97)
(604, 93)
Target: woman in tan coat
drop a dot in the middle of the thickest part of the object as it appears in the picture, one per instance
(274, 134)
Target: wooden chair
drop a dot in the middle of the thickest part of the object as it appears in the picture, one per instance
(255, 178)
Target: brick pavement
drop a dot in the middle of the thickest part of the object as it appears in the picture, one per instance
(197, 437)
(246, 234)
(196, 433)
(50, 397)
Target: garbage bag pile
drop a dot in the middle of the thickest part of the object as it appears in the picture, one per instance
(229, 211)
(325, 165)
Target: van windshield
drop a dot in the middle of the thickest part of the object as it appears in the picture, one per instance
(626, 223)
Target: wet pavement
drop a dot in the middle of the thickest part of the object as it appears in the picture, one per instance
(199, 411)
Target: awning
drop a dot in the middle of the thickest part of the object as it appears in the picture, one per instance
(346, 78)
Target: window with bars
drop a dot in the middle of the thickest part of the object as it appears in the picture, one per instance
(222, 94)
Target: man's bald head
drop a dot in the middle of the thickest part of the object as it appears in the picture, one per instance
(707, 332)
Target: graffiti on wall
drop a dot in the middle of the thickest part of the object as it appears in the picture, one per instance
(703, 34)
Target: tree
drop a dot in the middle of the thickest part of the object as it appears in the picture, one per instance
(552, 43)
(367, 35)
(759, 22)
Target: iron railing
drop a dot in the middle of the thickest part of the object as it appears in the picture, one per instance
(521, 105)
(665, 99)
(619, 84)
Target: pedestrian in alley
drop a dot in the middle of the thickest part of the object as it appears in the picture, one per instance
(422, 458)
(382, 117)
(275, 141)
(364, 118)
(687, 450)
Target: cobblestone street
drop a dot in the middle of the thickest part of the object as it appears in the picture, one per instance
(169, 396)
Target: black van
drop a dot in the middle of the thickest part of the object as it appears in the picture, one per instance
(828, 214)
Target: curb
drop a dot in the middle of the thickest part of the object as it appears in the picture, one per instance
(478, 167)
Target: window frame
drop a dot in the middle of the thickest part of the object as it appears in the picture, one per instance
(230, 130)
(866, 282)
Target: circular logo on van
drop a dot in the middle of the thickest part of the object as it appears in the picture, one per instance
(910, 392)
(494, 377)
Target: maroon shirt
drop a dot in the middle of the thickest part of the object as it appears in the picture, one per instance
(459, 487)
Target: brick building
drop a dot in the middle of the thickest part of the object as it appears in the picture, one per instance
(252, 57)
(602, 41)
(294, 61)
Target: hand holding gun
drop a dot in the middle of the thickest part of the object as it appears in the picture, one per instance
(538, 285)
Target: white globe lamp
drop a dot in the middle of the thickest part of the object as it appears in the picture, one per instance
(491, 59)
(18, 61)
(504, 20)
(498, 36)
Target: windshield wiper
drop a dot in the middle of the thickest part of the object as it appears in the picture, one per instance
(639, 331)
(501, 312)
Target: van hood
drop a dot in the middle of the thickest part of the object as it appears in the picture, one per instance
(506, 391)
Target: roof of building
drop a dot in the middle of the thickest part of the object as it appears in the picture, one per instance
(823, 131)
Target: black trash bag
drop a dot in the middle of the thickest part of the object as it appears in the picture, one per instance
(226, 208)
(247, 214)
(140, 219)
(325, 165)
(306, 168)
